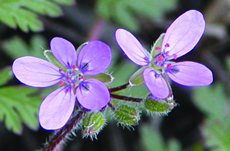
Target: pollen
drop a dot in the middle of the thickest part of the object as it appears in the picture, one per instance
(169, 65)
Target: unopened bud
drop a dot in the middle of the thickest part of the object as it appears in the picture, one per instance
(92, 124)
(159, 106)
(126, 115)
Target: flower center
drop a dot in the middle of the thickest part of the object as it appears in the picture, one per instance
(71, 77)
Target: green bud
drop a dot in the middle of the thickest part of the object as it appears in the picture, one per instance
(103, 77)
(136, 78)
(157, 46)
(126, 115)
(161, 107)
(92, 124)
(48, 54)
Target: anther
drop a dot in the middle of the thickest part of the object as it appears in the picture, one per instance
(73, 66)
(174, 56)
(158, 48)
(167, 45)
(160, 58)
(61, 82)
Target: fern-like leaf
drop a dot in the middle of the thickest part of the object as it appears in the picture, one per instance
(23, 13)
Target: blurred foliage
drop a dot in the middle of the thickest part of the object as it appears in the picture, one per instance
(127, 12)
(213, 101)
(17, 47)
(23, 13)
(18, 106)
(152, 140)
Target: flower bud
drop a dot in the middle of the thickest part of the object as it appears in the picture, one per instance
(92, 123)
(126, 115)
(159, 106)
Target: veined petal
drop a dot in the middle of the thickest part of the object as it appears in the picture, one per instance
(63, 51)
(131, 47)
(94, 57)
(56, 108)
(190, 73)
(183, 34)
(35, 72)
(92, 94)
(155, 83)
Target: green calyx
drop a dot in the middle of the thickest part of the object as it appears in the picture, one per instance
(127, 116)
(161, 107)
(156, 49)
(48, 54)
(92, 124)
(136, 78)
(103, 77)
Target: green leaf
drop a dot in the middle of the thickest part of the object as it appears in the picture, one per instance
(213, 101)
(19, 106)
(23, 13)
(126, 12)
(5, 75)
(17, 47)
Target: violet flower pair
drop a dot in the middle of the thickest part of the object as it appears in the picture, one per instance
(92, 94)
(180, 38)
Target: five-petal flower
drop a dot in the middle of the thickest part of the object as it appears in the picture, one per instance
(92, 94)
(180, 38)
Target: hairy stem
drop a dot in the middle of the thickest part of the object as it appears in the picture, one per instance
(60, 134)
(126, 98)
(124, 86)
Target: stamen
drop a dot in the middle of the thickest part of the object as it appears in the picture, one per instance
(73, 66)
(174, 56)
(160, 58)
(60, 69)
(167, 45)
(61, 82)
(73, 86)
(169, 65)
(158, 48)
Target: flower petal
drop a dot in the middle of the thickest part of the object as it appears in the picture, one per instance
(131, 47)
(56, 108)
(63, 51)
(94, 57)
(183, 34)
(35, 72)
(92, 94)
(155, 83)
(190, 73)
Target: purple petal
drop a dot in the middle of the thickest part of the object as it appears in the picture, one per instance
(35, 72)
(131, 47)
(56, 108)
(92, 94)
(190, 74)
(94, 57)
(63, 51)
(155, 83)
(183, 34)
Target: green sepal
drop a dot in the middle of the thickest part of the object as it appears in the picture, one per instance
(136, 78)
(155, 49)
(127, 115)
(103, 77)
(92, 124)
(48, 54)
(82, 45)
(161, 107)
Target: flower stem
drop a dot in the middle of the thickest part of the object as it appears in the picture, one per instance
(124, 86)
(60, 134)
(126, 98)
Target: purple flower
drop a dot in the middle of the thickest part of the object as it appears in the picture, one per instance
(180, 38)
(57, 107)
